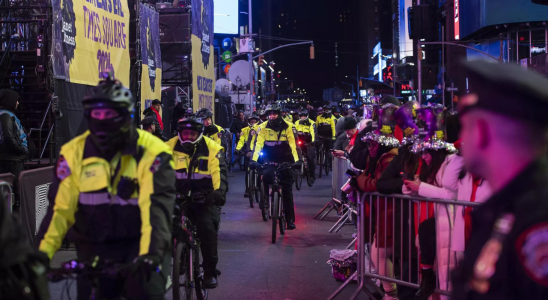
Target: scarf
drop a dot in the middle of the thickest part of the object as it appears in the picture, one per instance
(158, 118)
(476, 182)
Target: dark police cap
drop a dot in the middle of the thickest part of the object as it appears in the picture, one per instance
(507, 89)
(147, 120)
(156, 101)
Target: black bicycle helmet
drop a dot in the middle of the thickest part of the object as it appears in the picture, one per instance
(191, 122)
(273, 107)
(204, 113)
(109, 93)
(303, 112)
(253, 116)
(262, 112)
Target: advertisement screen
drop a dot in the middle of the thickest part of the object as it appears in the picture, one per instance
(225, 16)
(477, 14)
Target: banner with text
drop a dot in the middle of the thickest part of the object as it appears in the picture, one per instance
(151, 74)
(203, 67)
(90, 37)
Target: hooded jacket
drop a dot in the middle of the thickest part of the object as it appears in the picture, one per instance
(13, 139)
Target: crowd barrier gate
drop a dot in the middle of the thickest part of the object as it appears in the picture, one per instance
(405, 256)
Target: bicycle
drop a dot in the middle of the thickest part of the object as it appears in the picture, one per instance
(323, 157)
(303, 171)
(186, 272)
(93, 271)
(275, 205)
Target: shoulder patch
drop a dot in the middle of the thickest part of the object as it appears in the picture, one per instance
(156, 164)
(63, 170)
(532, 249)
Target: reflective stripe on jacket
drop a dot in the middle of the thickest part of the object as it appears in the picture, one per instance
(130, 197)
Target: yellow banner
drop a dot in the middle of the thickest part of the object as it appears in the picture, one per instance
(203, 66)
(151, 73)
(91, 36)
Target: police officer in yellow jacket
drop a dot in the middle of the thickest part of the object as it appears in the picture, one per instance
(325, 123)
(201, 175)
(276, 140)
(246, 144)
(211, 130)
(305, 129)
(114, 186)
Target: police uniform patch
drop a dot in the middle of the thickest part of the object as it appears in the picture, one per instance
(156, 164)
(532, 249)
(63, 170)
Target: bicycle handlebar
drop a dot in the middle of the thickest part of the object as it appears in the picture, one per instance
(95, 268)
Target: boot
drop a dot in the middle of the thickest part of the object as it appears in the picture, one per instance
(311, 181)
(210, 281)
(290, 225)
(428, 284)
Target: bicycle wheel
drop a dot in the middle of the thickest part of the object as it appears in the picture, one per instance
(327, 164)
(264, 206)
(250, 188)
(321, 161)
(275, 215)
(181, 287)
(298, 179)
(257, 190)
(201, 293)
(281, 215)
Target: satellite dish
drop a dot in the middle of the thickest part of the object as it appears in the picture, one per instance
(223, 86)
(241, 74)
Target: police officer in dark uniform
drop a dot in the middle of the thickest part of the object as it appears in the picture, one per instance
(276, 139)
(504, 126)
(114, 185)
(206, 180)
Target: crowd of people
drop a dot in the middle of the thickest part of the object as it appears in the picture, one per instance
(117, 187)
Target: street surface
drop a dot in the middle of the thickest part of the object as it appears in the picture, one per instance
(252, 267)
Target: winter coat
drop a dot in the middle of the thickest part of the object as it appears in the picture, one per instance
(445, 217)
(369, 185)
(13, 139)
(360, 152)
(237, 126)
(158, 132)
(464, 192)
(341, 142)
(391, 181)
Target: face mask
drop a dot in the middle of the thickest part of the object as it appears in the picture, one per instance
(275, 123)
(110, 135)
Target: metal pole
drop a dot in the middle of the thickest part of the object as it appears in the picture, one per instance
(250, 55)
(358, 83)
(452, 102)
(443, 64)
(419, 73)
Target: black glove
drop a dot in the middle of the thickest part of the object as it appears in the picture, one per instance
(217, 197)
(147, 264)
(298, 164)
(253, 165)
(40, 257)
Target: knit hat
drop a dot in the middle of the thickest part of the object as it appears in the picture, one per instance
(8, 99)
(349, 123)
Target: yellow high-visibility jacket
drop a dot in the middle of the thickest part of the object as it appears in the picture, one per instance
(276, 146)
(129, 198)
(306, 128)
(214, 132)
(248, 137)
(209, 170)
(326, 126)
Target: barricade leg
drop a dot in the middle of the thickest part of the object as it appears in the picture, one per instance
(341, 221)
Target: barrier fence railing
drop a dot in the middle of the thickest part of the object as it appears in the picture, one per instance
(389, 248)
(338, 179)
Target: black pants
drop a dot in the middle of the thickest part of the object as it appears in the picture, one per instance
(286, 181)
(12, 166)
(310, 153)
(132, 286)
(207, 219)
(327, 143)
(427, 241)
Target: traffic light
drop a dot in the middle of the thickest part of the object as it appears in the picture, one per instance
(261, 60)
(361, 83)
(312, 52)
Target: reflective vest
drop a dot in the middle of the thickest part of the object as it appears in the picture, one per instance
(130, 197)
(207, 165)
(276, 146)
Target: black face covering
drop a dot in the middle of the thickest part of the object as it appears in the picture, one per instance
(276, 124)
(209, 129)
(326, 114)
(110, 135)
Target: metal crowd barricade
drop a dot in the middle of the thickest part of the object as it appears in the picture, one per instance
(338, 179)
(9, 192)
(402, 260)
